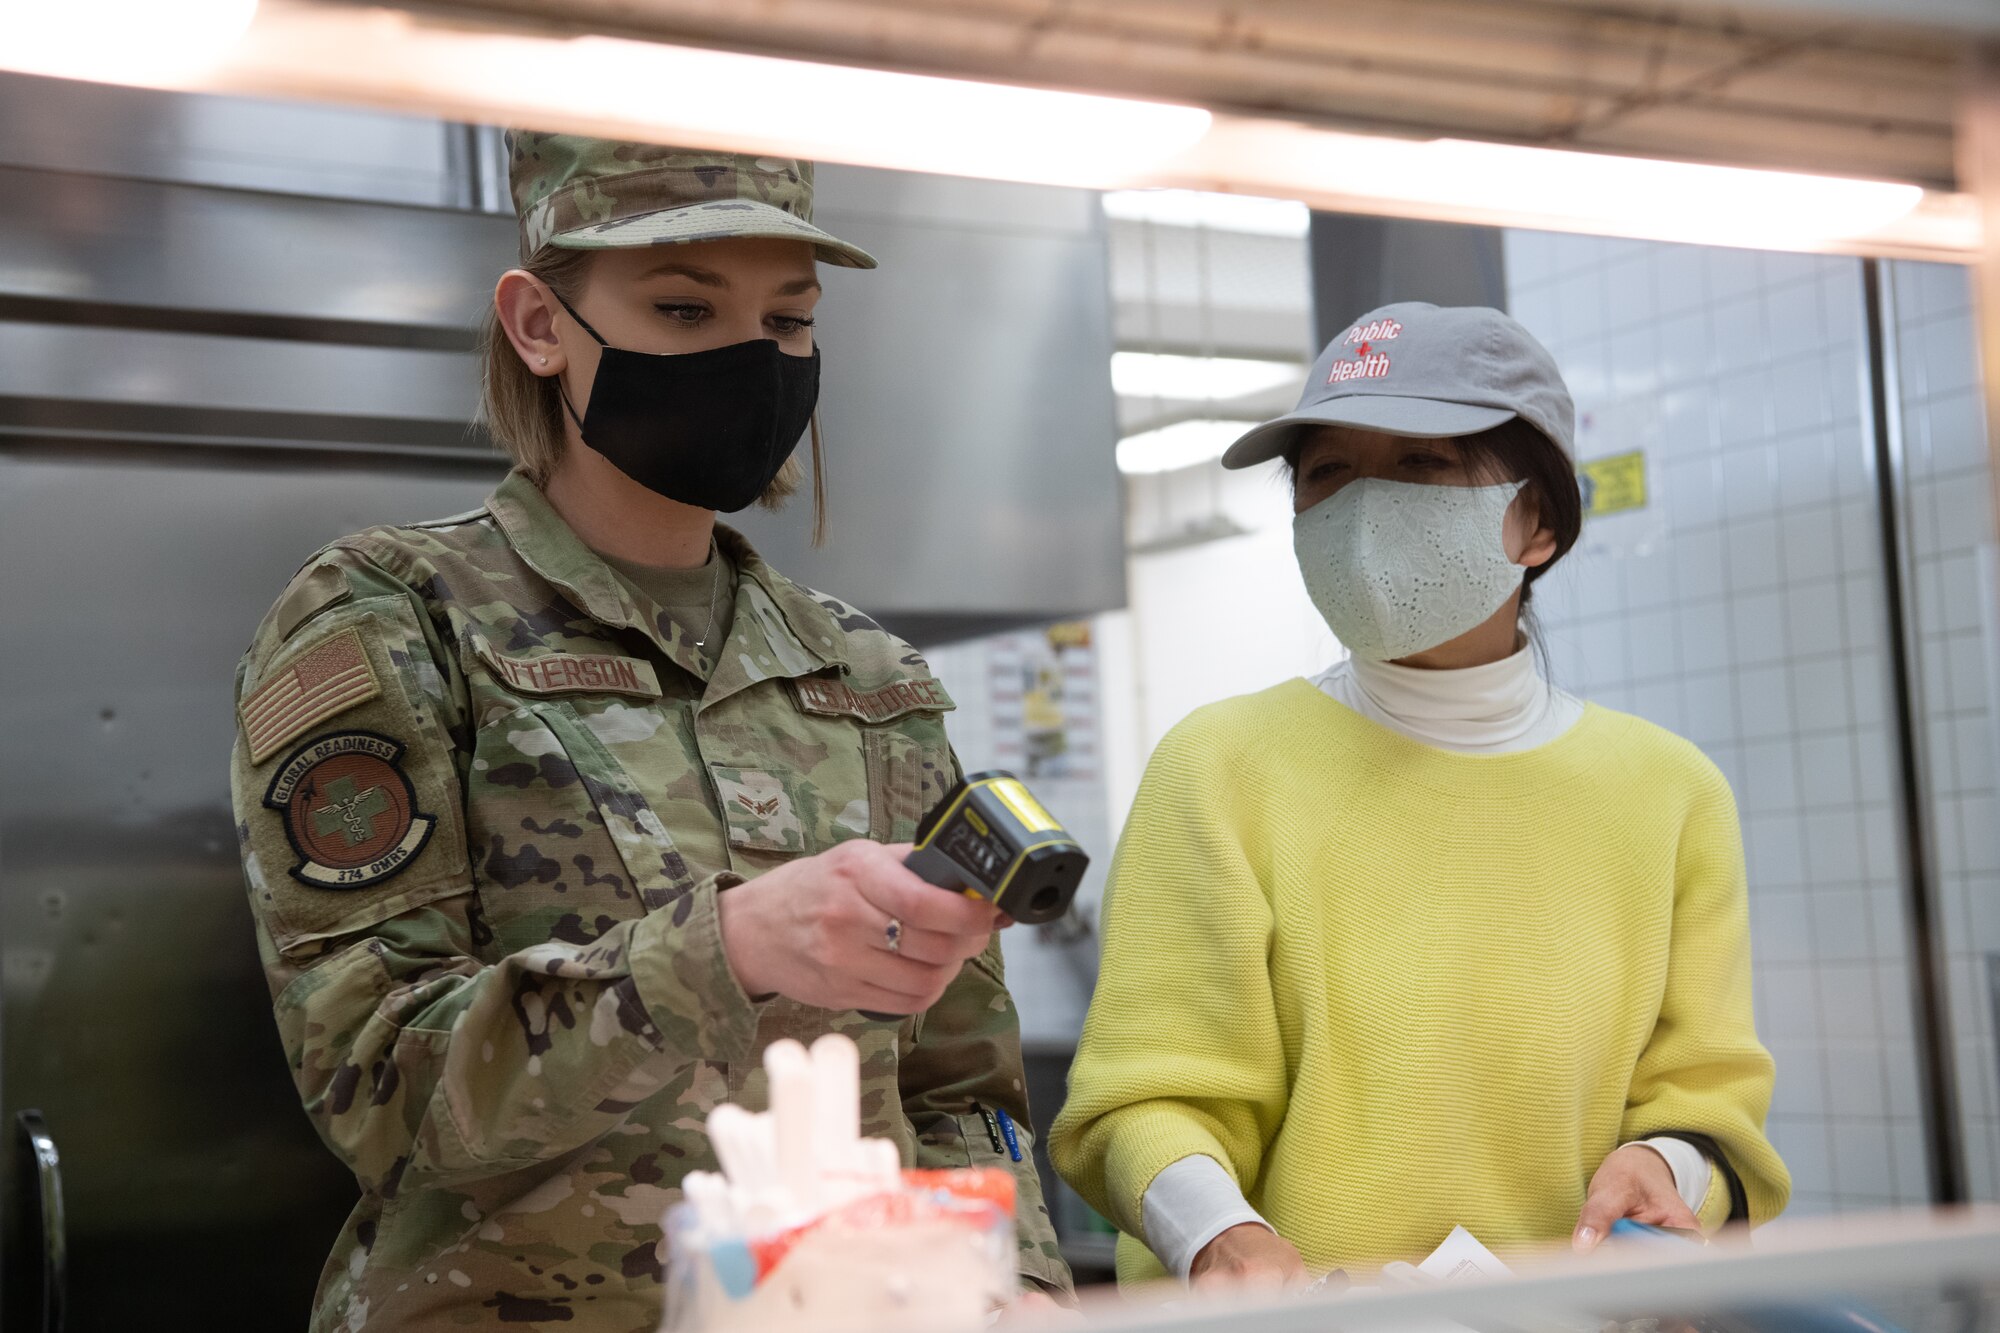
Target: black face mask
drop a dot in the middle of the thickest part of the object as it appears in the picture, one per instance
(709, 429)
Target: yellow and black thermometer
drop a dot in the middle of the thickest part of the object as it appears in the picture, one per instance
(991, 839)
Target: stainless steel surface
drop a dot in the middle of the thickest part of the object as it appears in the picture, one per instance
(1993, 998)
(137, 1019)
(967, 401)
(968, 409)
(74, 364)
(1200, 291)
(288, 147)
(1361, 263)
(100, 250)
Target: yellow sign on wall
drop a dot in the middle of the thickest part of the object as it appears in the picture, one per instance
(1613, 485)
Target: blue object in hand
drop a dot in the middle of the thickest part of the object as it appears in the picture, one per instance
(1627, 1228)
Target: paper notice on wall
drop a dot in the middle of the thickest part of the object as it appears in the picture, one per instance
(1612, 485)
(1462, 1259)
(1619, 443)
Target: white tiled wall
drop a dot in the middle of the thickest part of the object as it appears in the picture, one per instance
(1957, 623)
(1745, 608)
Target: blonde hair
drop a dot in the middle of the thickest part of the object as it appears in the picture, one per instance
(523, 411)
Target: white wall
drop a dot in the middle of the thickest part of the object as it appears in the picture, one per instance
(1217, 618)
(1220, 619)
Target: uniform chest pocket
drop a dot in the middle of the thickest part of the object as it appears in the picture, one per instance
(849, 782)
(563, 843)
(905, 779)
(761, 809)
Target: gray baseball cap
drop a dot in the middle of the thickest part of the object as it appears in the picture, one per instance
(1426, 371)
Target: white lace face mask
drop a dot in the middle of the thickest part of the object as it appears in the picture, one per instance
(1397, 568)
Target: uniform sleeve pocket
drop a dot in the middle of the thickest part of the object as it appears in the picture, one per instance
(905, 779)
(357, 818)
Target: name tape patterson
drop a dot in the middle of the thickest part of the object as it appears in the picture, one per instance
(575, 673)
(350, 812)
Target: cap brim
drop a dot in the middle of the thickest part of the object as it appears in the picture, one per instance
(719, 220)
(1419, 418)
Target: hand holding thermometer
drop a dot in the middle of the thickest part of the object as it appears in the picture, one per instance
(991, 839)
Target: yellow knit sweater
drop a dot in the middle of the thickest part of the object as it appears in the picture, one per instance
(1392, 988)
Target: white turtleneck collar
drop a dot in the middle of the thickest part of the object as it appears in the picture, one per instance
(1500, 708)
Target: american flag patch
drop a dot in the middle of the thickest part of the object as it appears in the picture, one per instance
(326, 679)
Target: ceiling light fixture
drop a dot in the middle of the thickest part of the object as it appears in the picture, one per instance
(1244, 213)
(1163, 375)
(120, 41)
(661, 93)
(1183, 444)
(509, 72)
(1494, 184)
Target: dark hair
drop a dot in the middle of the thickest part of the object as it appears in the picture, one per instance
(1513, 451)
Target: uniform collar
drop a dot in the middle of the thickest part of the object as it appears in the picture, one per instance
(779, 630)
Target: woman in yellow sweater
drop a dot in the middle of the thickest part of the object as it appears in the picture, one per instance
(1424, 941)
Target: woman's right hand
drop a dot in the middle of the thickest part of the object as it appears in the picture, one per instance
(1249, 1256)
(816, 930)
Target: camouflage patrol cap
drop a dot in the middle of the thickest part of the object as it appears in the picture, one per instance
(580, 193)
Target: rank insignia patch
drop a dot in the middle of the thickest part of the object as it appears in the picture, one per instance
(349, 810)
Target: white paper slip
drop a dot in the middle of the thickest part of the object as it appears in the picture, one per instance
(1462, 1258)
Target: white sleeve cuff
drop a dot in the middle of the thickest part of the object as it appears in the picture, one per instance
(1690, 1167)
(1188, 1205)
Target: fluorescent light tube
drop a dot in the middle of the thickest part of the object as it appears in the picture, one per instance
(661, 93)
(1560, 189)
(1183, 444)
(1205, 208)
(1687, 200)
(1161, 375)
(120, 41)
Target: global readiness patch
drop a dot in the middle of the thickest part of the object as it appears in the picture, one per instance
(349, 810)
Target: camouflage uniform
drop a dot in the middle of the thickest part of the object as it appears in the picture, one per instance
(486, 802)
